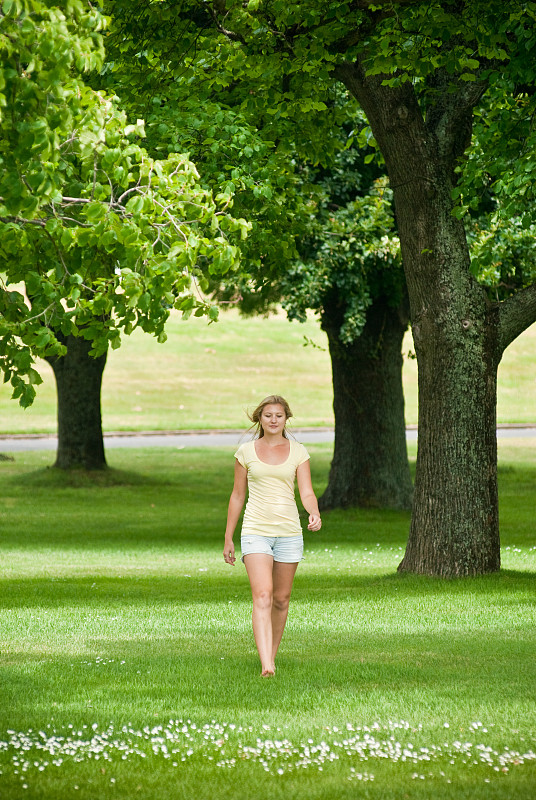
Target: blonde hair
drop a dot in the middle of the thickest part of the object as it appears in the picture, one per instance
(271, 400)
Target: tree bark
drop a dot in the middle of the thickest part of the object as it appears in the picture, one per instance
(370, 465)
(454, 527)
(78, 383)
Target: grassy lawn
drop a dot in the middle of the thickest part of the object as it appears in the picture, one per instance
(128, 665)
(205, 376)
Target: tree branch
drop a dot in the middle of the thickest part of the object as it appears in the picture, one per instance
(232, 35)
(218, 14)
(450, 119)
(516, 314)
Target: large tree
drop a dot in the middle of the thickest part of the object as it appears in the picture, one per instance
(96, 236)
(423, 128)
(440, 81)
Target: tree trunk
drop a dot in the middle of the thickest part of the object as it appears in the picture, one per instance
(78, 383)
(370, 465)
(454, 528)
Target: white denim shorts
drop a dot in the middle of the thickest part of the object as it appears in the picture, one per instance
(287, 549)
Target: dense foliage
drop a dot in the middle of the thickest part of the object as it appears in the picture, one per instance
(96, 236)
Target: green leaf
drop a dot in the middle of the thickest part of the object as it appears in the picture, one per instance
(94, 212)
(135, 204)
(26, 394)
(34, 377)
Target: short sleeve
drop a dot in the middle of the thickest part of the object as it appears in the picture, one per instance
(240, 456)
(302, 454)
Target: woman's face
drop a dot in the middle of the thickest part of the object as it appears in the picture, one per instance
(273, 418)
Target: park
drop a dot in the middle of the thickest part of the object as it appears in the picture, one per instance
(205, 203)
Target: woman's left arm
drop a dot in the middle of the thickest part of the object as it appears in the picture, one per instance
(307, 496)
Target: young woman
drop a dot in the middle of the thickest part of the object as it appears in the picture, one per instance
(272, 541)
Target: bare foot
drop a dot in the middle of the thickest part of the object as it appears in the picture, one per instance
(268, 673)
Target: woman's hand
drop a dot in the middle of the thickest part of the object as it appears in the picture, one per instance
(315, 523)
(229, 553)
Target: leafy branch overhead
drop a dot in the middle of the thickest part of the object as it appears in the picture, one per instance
(465, 68)
(96, 236)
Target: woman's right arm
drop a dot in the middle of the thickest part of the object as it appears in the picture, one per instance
(236, 503)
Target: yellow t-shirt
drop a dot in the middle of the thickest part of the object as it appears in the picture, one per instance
(271, 508)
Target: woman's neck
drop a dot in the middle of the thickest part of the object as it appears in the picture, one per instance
(273, 439)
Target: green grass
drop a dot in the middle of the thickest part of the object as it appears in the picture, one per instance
(129, 670)
(206, 376)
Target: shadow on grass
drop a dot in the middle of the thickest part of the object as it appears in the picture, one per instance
(52, 478)
(376, 673)
(104, 591)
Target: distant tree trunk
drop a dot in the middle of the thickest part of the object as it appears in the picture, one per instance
(370, 462)
(78, 383)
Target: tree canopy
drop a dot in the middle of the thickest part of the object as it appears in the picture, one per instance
(265, 76)
(96, 236)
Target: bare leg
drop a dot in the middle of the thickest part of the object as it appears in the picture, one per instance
(259, 568)
(282, 578)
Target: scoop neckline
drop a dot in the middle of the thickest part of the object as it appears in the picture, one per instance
(266, 462)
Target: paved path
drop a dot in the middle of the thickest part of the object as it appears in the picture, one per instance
(182, 439)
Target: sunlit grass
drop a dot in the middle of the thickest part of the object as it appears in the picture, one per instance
(206, 376)
(129, 668)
